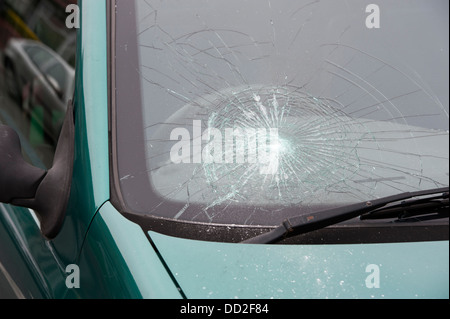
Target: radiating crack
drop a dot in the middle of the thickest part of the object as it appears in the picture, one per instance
(317, 145)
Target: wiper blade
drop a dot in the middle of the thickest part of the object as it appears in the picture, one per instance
(306, 223)
(409, 209)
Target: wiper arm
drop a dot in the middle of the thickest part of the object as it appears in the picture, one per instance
(310, 222)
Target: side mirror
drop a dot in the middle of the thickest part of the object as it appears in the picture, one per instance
(46, 192)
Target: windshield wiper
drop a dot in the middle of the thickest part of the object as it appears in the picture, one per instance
(306, 223)
(421, 208)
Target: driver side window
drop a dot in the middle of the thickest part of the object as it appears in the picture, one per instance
(36, 82)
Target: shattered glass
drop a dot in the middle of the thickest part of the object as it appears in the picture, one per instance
(356, 113)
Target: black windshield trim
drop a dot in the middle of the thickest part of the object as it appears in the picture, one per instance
(350, 232)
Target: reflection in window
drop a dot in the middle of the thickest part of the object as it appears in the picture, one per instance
(37, 70)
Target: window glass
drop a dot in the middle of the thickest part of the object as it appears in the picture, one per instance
(255, 111)
(36, 71)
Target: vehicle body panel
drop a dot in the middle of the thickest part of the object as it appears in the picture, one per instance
(90, 185)
(220, 270)
(120, 262)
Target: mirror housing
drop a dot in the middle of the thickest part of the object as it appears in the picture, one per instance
(18, 179)
(46, 192)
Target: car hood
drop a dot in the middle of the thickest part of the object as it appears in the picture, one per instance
(223, 271)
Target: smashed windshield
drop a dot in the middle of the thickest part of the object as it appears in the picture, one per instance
(249, 112)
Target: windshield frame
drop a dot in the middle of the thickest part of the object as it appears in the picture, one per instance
(352, 231)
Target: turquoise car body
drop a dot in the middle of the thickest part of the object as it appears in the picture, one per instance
(117, 259)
